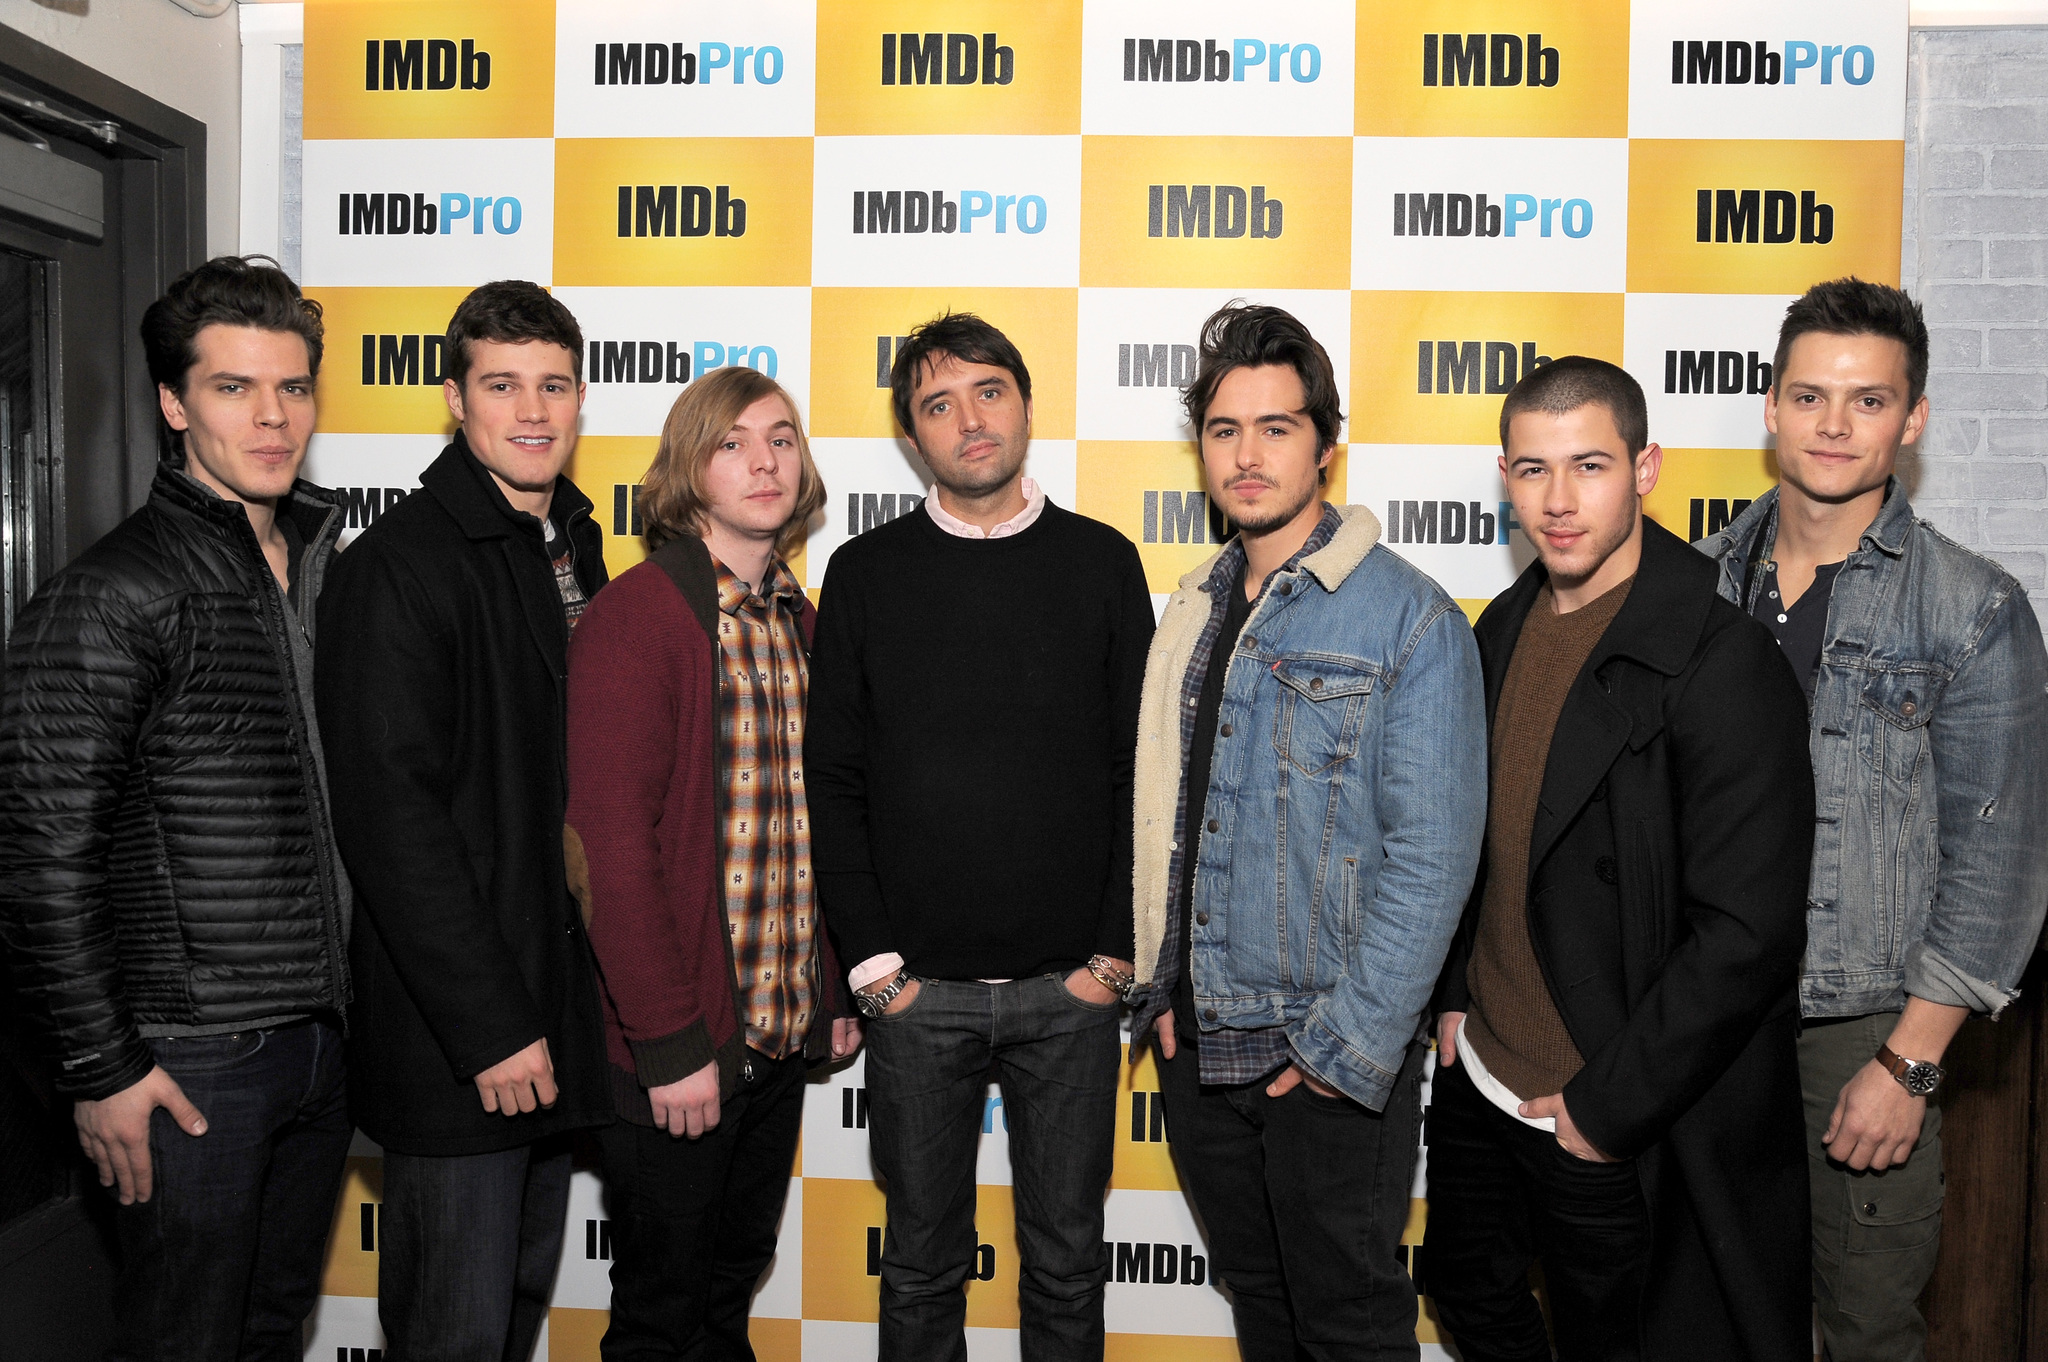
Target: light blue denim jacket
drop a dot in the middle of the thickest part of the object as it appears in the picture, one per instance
(1348, 805)
(1930, 852)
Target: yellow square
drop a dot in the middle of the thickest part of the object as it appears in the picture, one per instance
(1143, 1155)
(358, 1223)
(683, 210)
(844, 1221)
(430, 68)
(609, 470)
(382, 370)
(574, 1335)
(1767, 206)
(1700, 490)
(1432, 368)
(855, 331)
(900, 66)
(1419, 74)
(1155, 493)
(1216, 212)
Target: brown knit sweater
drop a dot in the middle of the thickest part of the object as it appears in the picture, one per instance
(1513, 1021)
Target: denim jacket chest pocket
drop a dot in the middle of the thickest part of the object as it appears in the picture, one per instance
(1899, 702)
(1321, 710)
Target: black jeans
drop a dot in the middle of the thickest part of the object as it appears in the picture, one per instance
(694, 1221)
(1503, 1195)
(928, 1066)
(469, 1248)
(1304, 1198)
(223, 1261)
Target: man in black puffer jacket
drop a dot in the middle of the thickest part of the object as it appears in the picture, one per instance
(171, 901)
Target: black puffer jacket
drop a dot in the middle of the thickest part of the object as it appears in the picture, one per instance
(162, 854)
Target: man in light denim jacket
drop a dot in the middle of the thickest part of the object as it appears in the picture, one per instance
(1310, 795)
(1924, 667)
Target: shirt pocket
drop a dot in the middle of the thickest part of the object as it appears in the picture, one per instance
(1900, 704)
(1321, 711)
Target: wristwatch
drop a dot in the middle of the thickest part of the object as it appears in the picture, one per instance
(1916, 1076)
(876, 1003)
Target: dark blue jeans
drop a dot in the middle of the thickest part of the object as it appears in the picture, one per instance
(1303, 1198)
(927, 1070)
(694, 1221)
(468, 1251)
(223, 1261)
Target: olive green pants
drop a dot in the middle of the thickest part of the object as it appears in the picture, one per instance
(1875, 1235)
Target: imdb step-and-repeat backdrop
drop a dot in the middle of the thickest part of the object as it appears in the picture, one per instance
(1449, 193)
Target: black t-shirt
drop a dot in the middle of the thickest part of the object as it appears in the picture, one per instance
(1201, 754)
(1801, 630)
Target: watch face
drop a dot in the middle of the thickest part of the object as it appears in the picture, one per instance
(1922, 1079)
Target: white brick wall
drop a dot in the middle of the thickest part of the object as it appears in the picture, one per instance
(1976, 256)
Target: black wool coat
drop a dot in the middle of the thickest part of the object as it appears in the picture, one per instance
(1667, 889)
(441, 688)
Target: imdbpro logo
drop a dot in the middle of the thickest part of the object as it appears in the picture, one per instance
(1473, 215)
(1190, 59)
(417, 215)
(684, 63)
(893, 211)
(1746, 63)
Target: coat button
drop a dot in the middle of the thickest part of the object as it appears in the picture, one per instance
(1600, 791)
(1250, 642)
(1315, 683)
(1224, 731)
(1209, 1014)
(1870, 1208)
(1201, 919)
(1287, 588)
(1607, 870)
(1213, 825)
(1908, 708)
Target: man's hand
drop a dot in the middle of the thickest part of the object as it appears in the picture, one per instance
(1291, 1077)
(1575, 1144)
(520, 1083)
(1166, 1045)
(1089, 989)
(115, 1130)
(690, 1105)
(845, 1036)
(1447, 1024)
(1876, 1121)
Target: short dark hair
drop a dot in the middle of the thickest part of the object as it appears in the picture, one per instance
(965, 337)
(1241, 335)
(1573, 381)
(1854, 307)
(511, 312)
(229, 290)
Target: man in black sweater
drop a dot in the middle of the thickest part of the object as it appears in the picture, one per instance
(974, 712)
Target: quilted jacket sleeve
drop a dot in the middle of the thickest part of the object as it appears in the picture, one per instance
(83, 669)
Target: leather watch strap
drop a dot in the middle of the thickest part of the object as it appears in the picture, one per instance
(1891, 1061)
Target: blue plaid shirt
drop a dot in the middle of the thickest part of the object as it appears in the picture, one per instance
(1227, 1055)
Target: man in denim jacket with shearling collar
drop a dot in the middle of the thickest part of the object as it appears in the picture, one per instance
(1924, 667)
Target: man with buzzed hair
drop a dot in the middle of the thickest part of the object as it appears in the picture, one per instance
(1617, 1095)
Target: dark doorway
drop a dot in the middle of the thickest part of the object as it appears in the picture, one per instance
(102, 203)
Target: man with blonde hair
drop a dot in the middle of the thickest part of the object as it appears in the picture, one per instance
(688, 681)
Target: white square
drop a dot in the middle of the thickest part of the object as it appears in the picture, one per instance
(670, 68)
(1704, 360)
(1188, 68)
(489, 202)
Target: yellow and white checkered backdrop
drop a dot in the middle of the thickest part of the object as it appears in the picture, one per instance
(1447, 191)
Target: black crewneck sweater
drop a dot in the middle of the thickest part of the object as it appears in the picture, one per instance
(969, 748)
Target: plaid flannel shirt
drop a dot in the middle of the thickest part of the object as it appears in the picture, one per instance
(767, 872)
(1228, 1055)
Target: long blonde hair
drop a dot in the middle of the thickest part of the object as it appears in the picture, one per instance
(672, 496)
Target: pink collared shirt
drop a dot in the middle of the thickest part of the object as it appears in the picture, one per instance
(877, 968)
(1034, 503)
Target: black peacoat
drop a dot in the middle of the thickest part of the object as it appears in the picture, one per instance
(1667, 889)
(441, 689)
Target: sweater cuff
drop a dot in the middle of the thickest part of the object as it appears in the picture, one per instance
(671, 1059)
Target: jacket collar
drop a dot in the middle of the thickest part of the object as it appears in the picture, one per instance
(1329, 565)
(1659, 624)
(469, 494)
(1887, 534)
(308, 504)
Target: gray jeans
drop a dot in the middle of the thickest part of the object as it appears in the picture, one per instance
(1875, 1235)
